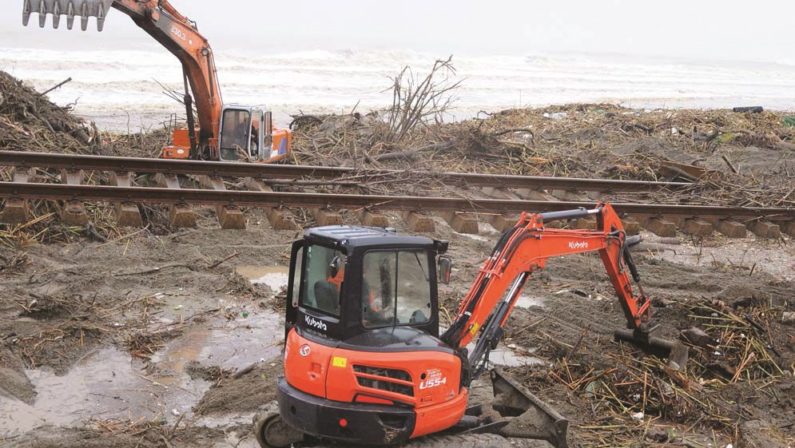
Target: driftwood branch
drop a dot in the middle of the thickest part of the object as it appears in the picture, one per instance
(416, 99)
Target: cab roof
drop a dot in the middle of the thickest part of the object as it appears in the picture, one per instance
(359, 236)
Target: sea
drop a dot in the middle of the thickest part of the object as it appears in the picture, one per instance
(123, 90)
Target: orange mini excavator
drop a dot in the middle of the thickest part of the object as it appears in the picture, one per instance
(364, 361)
(225, 132)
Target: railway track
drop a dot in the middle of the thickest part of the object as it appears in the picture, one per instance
(283, 173)
(463, 214)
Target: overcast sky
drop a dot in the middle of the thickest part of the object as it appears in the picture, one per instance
(758, 30)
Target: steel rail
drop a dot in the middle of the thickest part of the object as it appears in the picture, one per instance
(35, 191)
(271, 171)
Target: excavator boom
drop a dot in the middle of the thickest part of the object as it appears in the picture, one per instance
(526, 247)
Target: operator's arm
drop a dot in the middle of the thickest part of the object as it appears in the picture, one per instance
(180, 36)
(527, 246)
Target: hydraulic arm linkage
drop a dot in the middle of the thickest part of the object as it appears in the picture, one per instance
(527, 246)
(178, 34)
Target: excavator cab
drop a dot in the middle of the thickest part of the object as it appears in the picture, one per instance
(362, 352)
(246, 134)
(349, 282)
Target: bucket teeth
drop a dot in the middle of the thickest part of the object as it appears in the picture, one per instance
(70, 15)
(84, 15)
(26, 12)
(70, 8)
(56, 15)
(42, 13)
(100, 17)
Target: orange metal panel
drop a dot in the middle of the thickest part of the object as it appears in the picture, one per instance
(440, 416)
(306, 364)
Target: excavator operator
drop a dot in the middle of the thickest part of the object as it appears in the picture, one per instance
(377, 311)
(376, 283)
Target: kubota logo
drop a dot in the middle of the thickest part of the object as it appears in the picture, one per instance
(578, 245)
(312, 322)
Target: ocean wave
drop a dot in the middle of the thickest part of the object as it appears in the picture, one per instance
(107, 82)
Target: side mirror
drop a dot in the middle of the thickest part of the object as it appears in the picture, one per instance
(445, 268)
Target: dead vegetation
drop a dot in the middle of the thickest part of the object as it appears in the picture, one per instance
(736, 387)
(418, 100)
(739, 371)
(31, 122)
(744, 159)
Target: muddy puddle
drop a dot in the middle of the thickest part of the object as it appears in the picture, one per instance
(109, 383)
(275, 277)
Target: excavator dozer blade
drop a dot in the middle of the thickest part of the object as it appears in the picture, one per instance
(70, 8)
(535, 419)
(675, 351)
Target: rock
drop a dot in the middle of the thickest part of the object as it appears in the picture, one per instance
(658, 435)
(14, 383)
(788, 318)
(743, 302)
(658, 302)
(697, 336)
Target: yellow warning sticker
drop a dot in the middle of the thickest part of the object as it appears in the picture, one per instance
(474, 329)
(339, 361)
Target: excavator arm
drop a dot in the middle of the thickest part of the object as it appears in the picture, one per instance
(527, 246)
(172, 30)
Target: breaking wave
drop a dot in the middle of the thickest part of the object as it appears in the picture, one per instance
(111, 86)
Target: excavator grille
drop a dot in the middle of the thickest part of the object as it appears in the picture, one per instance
(69, 8)
(391, 380)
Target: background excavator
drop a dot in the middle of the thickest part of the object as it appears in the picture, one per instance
(364, 361)
(225, 132)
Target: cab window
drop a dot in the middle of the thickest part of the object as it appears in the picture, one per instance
(235, 132)
(321, 282)
(396, 288)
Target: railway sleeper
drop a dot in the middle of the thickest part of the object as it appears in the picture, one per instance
(419, 222)
(788, 227)
(179, 215)
(631, 225)
(73, 212)
(16, 211)
(764, 229)
(660, 226)
(462, 222)
(229, 216)
(373, 219)
(326, 217)
(502, 222)
(127, 213)
(279, 218)
(697, 227)
(731, 228)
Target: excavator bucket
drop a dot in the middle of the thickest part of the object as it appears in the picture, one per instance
(535, 420)
(675, 352)
(69, 8)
